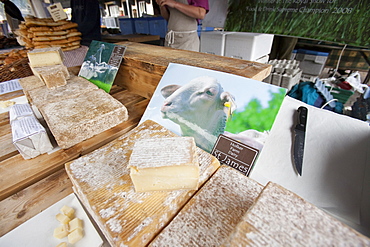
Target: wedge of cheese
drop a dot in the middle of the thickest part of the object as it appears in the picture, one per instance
(281, 218)
(164, 164)
(53, 76)
(45, 56)
(211, 215)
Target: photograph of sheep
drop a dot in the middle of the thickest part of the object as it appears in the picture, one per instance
(203, 103)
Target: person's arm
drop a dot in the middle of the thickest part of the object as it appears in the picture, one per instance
(164, 11)
(189, 10)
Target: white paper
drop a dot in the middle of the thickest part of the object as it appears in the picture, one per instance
(335, 163)
(18, 100)
(25, 127)
(30, 137)
(10, 86)
(20, 110)
(38, 231)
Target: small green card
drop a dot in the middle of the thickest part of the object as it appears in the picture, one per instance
(101, 63)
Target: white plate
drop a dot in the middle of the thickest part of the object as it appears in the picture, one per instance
(38, 231)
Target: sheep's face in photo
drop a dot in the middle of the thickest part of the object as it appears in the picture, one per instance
(201, 97)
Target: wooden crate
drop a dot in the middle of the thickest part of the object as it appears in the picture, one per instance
(143, 66)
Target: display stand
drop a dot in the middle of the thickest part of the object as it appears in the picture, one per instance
(30, 186)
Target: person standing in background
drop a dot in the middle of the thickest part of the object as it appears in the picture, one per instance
(13, 14)
(86, 13)
(183, 17)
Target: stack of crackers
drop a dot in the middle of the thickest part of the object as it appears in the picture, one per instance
(45, 32)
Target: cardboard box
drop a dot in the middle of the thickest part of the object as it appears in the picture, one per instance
(213, 42)
(248, 46)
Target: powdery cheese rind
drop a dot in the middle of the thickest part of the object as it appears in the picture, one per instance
(210, 216)
(281, 218)
(171, 151)
(75, 86)
(73, 120)
(102, 182)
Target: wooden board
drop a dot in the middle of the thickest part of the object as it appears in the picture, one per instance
(102, 181)
(27, 203)
(18, 173)
(143, 66)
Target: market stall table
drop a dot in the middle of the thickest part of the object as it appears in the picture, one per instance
(28, 187)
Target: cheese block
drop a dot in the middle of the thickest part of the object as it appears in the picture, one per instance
(164, 164)
(281, 218)
(53, 76)
(102, 182)
(45, 56)
(73, 120)
(75, 86)
(211, 215)
(30, 82)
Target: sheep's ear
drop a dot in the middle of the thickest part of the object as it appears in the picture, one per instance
(168, 90)
(228, 99)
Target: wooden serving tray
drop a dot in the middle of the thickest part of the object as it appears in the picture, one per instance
(102, 182)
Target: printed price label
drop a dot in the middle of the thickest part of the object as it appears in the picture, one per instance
(56, 11)
(235, 154)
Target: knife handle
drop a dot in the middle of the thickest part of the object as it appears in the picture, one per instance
(302, 118)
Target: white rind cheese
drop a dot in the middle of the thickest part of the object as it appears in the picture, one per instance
(45, 56)
(53, 76)
(164, 164)
(210, 216)
(102, 182)
(281, 218)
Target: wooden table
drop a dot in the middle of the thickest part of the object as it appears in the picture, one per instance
(114, 38)
(27, 187)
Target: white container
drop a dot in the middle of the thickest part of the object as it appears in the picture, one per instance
(248, 46)
(213, 42)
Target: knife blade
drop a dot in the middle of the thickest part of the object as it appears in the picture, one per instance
(299, 138)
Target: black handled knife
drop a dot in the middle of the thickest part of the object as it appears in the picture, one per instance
(299, 138)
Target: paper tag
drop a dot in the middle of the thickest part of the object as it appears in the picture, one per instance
(235, 154)
(10, 86)
(56, 11)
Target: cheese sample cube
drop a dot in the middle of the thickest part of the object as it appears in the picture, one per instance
(164, 164)
(61, 231)
(74, 224)
(75, 236)
(68, 211)
(62, 244)
(64, 219)
(53, 76)
(45, 56)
